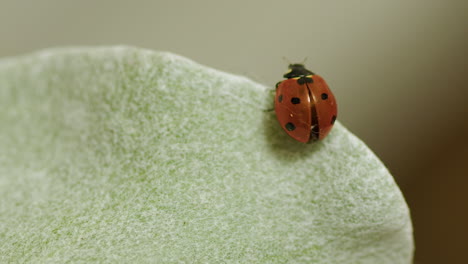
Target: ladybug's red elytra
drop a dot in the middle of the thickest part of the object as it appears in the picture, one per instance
(305, 107)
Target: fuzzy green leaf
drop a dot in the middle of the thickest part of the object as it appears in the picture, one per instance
(119, 154)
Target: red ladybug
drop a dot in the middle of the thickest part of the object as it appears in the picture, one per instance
(304, 105)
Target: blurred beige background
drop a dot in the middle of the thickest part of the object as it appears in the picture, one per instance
(397, 68)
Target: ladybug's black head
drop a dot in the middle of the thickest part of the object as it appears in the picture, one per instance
(297, 70)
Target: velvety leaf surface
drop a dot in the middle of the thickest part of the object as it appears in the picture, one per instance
(119, 154)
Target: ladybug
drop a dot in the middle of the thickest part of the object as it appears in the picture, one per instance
(305, 107)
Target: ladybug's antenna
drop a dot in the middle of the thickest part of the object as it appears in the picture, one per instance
(304, 60)
(286, 60)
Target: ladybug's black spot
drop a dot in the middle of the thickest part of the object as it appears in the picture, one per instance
(280, 98)
(290, 126)
(295, 100)
(324, 96)
(333, 119)
(304, 79)
(309, 79)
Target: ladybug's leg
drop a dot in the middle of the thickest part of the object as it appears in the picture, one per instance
(273, 94)
(314, 133)
(276, 85)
